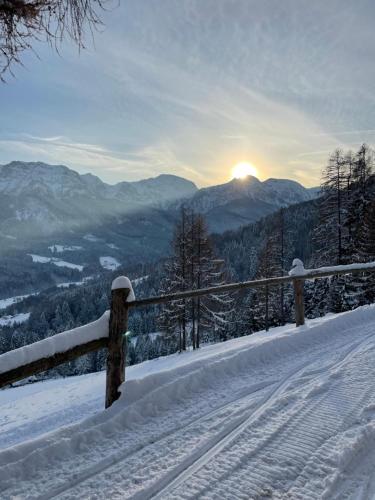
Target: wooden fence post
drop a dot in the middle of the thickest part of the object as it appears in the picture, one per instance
(118, 326)
(299, 303)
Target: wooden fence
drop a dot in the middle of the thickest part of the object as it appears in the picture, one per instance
(115, 342)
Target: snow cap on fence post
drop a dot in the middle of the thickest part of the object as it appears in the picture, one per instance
(124, 282)
(298, 269)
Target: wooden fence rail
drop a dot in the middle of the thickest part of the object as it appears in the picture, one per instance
(118, 322)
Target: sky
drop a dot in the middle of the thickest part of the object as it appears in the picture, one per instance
(192, 87)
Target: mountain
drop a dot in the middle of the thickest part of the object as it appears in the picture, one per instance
(48, 207)
(74, 224)
(244, 201)
(20, 178)
(36, 198)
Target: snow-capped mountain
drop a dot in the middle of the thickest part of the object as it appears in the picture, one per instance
(20, 178)
(45, 207)
(40, 199)
(36, 197)
(243, 201)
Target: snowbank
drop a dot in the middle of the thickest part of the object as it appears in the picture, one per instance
(262, 360)
(229, 358)
(154, 385)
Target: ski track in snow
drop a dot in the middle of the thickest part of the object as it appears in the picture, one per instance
(299, 425)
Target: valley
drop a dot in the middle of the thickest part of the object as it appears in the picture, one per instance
(83, 226)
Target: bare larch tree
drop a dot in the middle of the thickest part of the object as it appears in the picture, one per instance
(24, 22)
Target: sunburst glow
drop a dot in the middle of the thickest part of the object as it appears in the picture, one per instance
(243, 169)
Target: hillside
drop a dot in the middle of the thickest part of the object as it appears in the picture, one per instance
(83, 300)
(281, 414)
(244, 201)
(242, 247)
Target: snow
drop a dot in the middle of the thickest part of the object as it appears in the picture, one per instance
(57, 262)
(109, 263)
(113, 246)
(4, 303)
(124, 282)
(13, 320)
(298, 268)
(63, 263)
(40, 259)
(91, 237)
(57, 343)
(284, 414)
(64, 248)
(141, 279)
(8, 236)
(76, 283)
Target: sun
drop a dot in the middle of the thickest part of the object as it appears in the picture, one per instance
(243, 169)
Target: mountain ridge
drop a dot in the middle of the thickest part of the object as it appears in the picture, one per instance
(38, 198)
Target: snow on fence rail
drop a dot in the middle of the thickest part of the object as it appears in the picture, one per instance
(109, 330)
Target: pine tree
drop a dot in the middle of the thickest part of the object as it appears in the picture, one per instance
(213, 312)
(329, 235)
(366, 246)
(193, 266)
(173, 318)
(267, 299)
(361, 194)
(270, 303)
(341, 235)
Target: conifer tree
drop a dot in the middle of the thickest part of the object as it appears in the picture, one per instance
(329, 237)
(267, 299)
(194, 266)
(173, 318)
(270, 303)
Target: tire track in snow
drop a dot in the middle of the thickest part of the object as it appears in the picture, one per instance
(147, 445)
(282, 457)
(112, 460)
(295, 448)
(146, 456)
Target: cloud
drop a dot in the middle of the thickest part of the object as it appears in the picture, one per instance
(191, 87)
(110, 165)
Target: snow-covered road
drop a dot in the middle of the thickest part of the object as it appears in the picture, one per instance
(286, 414)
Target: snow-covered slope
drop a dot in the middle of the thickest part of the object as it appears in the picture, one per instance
(40, 198)
(36, 198)
(273, 191)
(24, 178)
(243, 201)
(284, 414)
